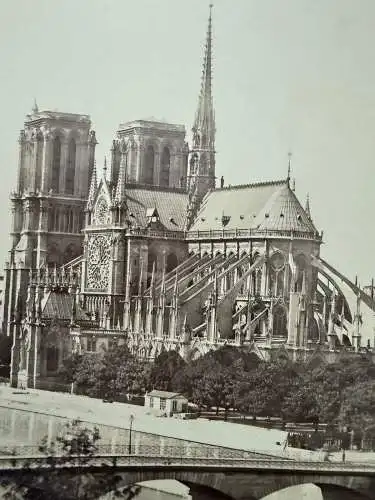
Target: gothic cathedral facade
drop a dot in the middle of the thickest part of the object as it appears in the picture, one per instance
(153, 253)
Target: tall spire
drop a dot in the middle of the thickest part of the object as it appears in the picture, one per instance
(202, 152)
(204, 124)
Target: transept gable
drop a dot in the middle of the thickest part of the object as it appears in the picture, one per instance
(102, 204)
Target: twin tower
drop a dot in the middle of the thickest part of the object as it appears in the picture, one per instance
(57, 164)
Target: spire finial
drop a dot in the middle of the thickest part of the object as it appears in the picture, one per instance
(121, 180)
(307, 206)
(289, 165)
(93, 187)
(105, 168)
(35, 106)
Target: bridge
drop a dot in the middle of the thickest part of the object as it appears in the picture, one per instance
(216, 460)
(231, 478)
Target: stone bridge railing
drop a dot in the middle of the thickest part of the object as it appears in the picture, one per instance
(12, 463)
(113, 450)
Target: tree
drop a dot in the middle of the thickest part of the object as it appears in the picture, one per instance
(300, 404)
(70, 368)
(216, 389)
(263, 390)
(109, 374)
(88, 375)
(358, 407)
(76, 446)
(163, 371)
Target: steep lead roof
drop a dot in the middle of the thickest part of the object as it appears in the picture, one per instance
(268, 205)
(170, 206)
(59, 305)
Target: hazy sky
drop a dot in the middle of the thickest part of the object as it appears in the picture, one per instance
(288, 74)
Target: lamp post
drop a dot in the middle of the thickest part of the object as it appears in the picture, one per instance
(130, 434)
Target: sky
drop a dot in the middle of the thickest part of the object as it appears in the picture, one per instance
(289, 75)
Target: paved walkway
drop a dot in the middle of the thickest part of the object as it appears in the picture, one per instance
(95, 411)
(200, 431)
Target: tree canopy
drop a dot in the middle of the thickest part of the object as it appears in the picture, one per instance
(233, 378)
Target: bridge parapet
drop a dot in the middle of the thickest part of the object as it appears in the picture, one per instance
(122, 450)
(172, 462)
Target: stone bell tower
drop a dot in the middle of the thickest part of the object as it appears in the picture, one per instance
(56, 158)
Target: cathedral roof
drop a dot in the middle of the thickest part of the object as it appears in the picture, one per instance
(59, 305)
(267, 205)
(170, 205)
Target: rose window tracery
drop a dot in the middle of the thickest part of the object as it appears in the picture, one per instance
(98, 262)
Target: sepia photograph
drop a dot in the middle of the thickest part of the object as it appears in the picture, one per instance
(187, 306)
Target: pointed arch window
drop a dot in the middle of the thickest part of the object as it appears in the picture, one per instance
(280, 321)
(56, 158)
(165, 167)
(149, 165)
(71, 168)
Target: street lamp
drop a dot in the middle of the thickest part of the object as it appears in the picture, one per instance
(130, 434)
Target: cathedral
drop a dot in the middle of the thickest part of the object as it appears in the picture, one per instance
(158, 253)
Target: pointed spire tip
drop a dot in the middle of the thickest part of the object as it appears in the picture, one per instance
(35, 106)
(289, 165)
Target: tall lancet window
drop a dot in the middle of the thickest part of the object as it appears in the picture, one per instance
(56, 158)
(149, 165)
(165, 167)
(70, 168)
